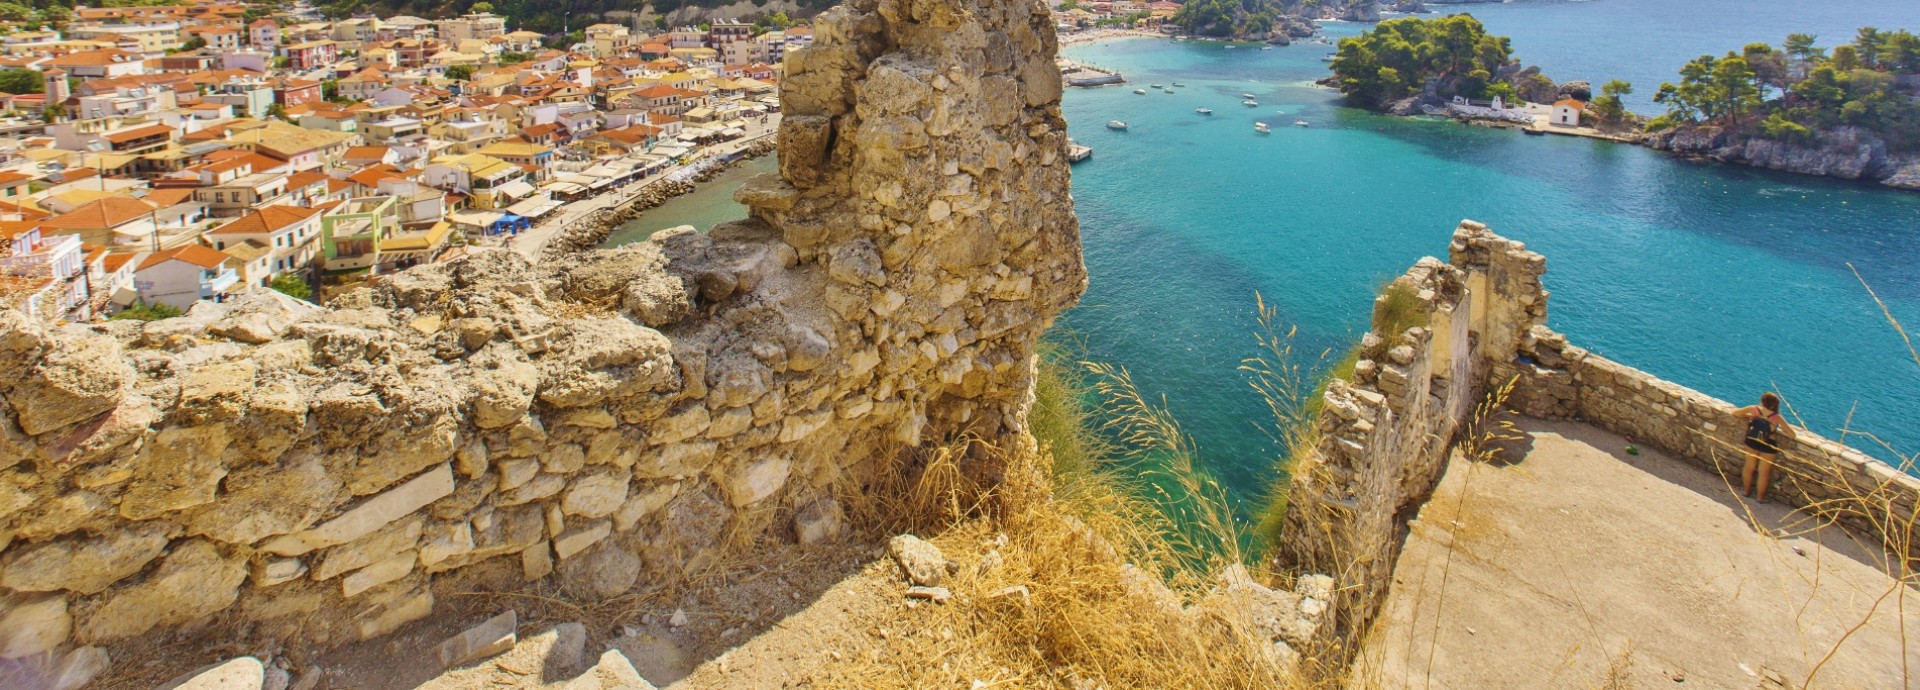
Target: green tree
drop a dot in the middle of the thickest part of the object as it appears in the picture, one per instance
(194, 43)
(460, 72)
(1609, 108)
(19, 81)
(1900, 52)
(277, 111)
(291, 285)
(54, 112)
(141, 311)
(482, 7)
(1400, 56)
(1846, 58)
(1866, 43)
(16, 12)
(1710, 89)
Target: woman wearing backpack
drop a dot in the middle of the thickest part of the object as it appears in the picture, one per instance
(1765, 426)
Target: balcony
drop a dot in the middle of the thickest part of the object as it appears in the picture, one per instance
(56, 257)
(216, 284)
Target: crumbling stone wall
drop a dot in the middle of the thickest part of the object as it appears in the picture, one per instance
(1385, 436)
(312, 472)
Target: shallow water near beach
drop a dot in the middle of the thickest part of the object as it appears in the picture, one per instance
(1726, 279)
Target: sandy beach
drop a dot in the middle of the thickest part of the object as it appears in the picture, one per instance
(1097, 35)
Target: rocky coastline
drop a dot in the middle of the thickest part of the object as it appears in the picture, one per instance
(1848, 153)
(587, 233)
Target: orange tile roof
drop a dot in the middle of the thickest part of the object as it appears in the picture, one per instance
(169, 197)
(305, 179)
(117, 259)
(204, 257)
(103, 213)
(266, 220)
(137, 133)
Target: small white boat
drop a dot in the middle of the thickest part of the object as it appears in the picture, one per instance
(1231, 47)
(1267, 48)
(1299, 123)
(1116, 124)
(1142, 92)
(1250, 104)
(1203, 111)
(1178, 84)
(1262, 128)
(1248, 96)
(1154, 85)
(1167, 90)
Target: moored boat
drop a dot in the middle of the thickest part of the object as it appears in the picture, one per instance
(1262, 128)
(1140, 91)
(1203, 111)
(1299, 123)
(1167, 90)
(1178, 84)
(1250, 104)
(1247, 95)
(1116, 124)
(1154, 85)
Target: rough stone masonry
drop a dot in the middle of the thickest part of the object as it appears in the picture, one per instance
(312, 472)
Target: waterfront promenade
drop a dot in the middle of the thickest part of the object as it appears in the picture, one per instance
(532, 241)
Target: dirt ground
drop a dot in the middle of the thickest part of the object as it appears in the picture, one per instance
(1572, 564)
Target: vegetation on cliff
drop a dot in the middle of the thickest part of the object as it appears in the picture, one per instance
(1403, 57)
(1793, 92)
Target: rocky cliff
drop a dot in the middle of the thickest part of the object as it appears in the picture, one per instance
(1849, 153)
(319, 473)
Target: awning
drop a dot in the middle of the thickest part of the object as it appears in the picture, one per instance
(534, 207)
(477, 219)
(733, 132)
(566, 188)
(516, 189)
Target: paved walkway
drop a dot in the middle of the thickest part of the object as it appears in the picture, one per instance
(532, 241)
(1579, 562)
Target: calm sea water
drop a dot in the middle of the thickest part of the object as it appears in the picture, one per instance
(711, 203)
(1725, 279)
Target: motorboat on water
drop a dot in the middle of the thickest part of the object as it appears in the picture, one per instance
(1203, 111)
(1167, 90)
(1116, 124)
(1266, 48)
(1262, 128)
(1299, 123)
(1178, 84)
(1250, 104)
(1142, 92)
(1247, 96)
(1154, 85)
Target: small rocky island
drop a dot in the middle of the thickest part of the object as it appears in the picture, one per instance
(1851, 113)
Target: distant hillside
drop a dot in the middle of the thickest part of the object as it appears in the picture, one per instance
(555, 16)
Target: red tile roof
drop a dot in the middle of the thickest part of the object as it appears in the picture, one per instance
(266, 220)
(204, 257)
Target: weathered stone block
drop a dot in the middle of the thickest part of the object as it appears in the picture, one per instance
(746, 483)
(193, 582)
(383, 572)
(595, 495)
(370, 515)
(77, 376)
(180, 467)
(87, 566)
(32, 624)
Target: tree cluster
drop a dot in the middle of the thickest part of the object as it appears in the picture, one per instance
(1229, 18)
(1794, 91)
(1397, 59)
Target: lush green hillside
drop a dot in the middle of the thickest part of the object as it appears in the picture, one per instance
(1799, 89)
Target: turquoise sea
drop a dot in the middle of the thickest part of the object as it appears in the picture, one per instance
(1726, 279)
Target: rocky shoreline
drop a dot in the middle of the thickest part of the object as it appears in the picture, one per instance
(587, 233)
(1847, 153)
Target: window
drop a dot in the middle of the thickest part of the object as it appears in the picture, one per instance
(219, 197)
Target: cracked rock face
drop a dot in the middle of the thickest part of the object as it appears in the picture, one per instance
(313, 471)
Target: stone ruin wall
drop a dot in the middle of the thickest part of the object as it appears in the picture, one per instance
(315, 475)
(1386, 435)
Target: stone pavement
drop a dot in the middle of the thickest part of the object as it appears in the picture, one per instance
(1577, 561)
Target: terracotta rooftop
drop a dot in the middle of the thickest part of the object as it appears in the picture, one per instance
(204, 257)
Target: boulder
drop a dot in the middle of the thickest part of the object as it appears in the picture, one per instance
(919, 560)
(605, 571)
